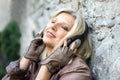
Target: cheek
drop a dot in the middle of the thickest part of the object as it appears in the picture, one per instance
(61, 36)
(53, 42)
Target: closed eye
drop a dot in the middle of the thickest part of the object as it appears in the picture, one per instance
(53, 20)
(65, 28)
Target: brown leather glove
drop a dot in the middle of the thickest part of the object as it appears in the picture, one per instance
(35, 49)
(58, 59)
(15, 73)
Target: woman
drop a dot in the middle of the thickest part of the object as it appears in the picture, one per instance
(54, 54)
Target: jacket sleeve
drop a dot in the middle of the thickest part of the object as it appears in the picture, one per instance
(75, 76)
(14, 72)
(76, 70)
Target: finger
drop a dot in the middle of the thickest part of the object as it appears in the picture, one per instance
(78, 43)
(39, 34)
(72, 46)
(75, 44)
(40, 31)
(65, 43)
(37, 38)
(75, 50)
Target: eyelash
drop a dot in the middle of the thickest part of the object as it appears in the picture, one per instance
(53, 21)
(65, 28)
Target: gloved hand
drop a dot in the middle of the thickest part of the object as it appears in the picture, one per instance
(15, 72)
(36, 48)
(60, 57)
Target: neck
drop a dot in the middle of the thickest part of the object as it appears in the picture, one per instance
(48, 50)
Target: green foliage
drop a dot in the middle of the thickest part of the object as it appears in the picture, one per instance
(9, 44)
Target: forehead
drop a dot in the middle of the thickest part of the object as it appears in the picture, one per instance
(66, 18)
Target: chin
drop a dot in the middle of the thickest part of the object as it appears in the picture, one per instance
(48, 43)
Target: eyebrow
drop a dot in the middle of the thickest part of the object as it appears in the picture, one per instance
(66, 23)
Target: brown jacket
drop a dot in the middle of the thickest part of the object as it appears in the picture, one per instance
(76, 70)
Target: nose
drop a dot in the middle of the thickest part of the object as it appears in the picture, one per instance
(54, 26)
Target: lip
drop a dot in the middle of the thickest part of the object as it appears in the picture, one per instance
(50, 34)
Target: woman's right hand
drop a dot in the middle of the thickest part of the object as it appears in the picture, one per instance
(36, 48)
(34, 51)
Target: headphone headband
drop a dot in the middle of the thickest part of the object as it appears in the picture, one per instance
(84, 35)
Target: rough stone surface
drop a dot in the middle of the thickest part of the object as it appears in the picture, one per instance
(4, 13)
(103, 17)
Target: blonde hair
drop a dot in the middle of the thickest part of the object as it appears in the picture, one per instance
(78, 28)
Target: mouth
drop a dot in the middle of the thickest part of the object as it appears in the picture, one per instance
(50, 34)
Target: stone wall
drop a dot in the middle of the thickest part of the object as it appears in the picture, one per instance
(103, 17)
(4, 13)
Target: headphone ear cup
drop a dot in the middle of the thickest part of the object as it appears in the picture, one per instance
(71, 40)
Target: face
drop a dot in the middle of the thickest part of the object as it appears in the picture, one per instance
(57, 28)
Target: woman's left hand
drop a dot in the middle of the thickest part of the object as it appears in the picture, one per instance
(60, 57)
(74, 45)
